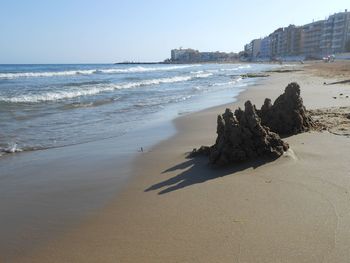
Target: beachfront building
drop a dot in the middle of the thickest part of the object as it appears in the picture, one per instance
(336, 33)
(217, 56)
(253, 49)
(276, 43)
(286, 41)
(291, 41)
(248, 49)
(311, 38)
(193, 56)
(265, 48)
(256, 48)
(184, 55)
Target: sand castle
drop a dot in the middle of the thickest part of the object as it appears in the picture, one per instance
(287, 115)
(248, 134)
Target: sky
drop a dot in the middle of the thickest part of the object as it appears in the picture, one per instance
(107, 31)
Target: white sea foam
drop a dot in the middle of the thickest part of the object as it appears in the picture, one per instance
(45, 74)
(236, 68)
(11, 149)
(202, 74)
(232, 82)
(89, 90)
(229, 69)
(213, 70)
(91, 71)
(224, 83)
(197, 72)
(245, 66)
(144, 69)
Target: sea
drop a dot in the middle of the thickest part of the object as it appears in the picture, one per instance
(49, 106)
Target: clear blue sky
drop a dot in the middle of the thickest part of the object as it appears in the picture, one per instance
(87, 31)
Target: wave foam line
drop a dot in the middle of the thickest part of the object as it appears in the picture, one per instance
(143, 69)
(45, 74)
(89, 72)
(96, 89)
(232, 82)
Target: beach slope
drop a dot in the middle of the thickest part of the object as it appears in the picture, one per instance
(293, 209)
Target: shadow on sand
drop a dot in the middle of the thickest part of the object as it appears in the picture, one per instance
(199, 171)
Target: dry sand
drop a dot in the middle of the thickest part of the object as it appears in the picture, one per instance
(339, 69)
(294, 209)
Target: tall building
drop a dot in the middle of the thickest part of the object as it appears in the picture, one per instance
(256, 48)
(336, 33)
(276, 43)
(265, 48)
(311, 38)
(291, 41)
(253, 49)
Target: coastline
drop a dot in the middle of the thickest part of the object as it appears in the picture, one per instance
(120, 111)
(55, 189)
(175, 209)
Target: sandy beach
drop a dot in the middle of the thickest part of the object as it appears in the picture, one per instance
(174, 209)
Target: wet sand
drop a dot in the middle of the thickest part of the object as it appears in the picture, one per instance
(294, 209)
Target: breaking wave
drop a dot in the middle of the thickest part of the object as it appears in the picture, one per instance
(12, 148)
(45, 74)
(89, 90)
(90, 71)
(143, 69)
(232, 82)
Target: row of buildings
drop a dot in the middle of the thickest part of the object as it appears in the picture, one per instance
(194, 56)
(314, 40)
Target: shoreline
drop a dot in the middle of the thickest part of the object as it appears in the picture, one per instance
(75, 191)
(142, 223)
(18, 146)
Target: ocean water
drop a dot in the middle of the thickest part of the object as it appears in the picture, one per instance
(47, 106)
